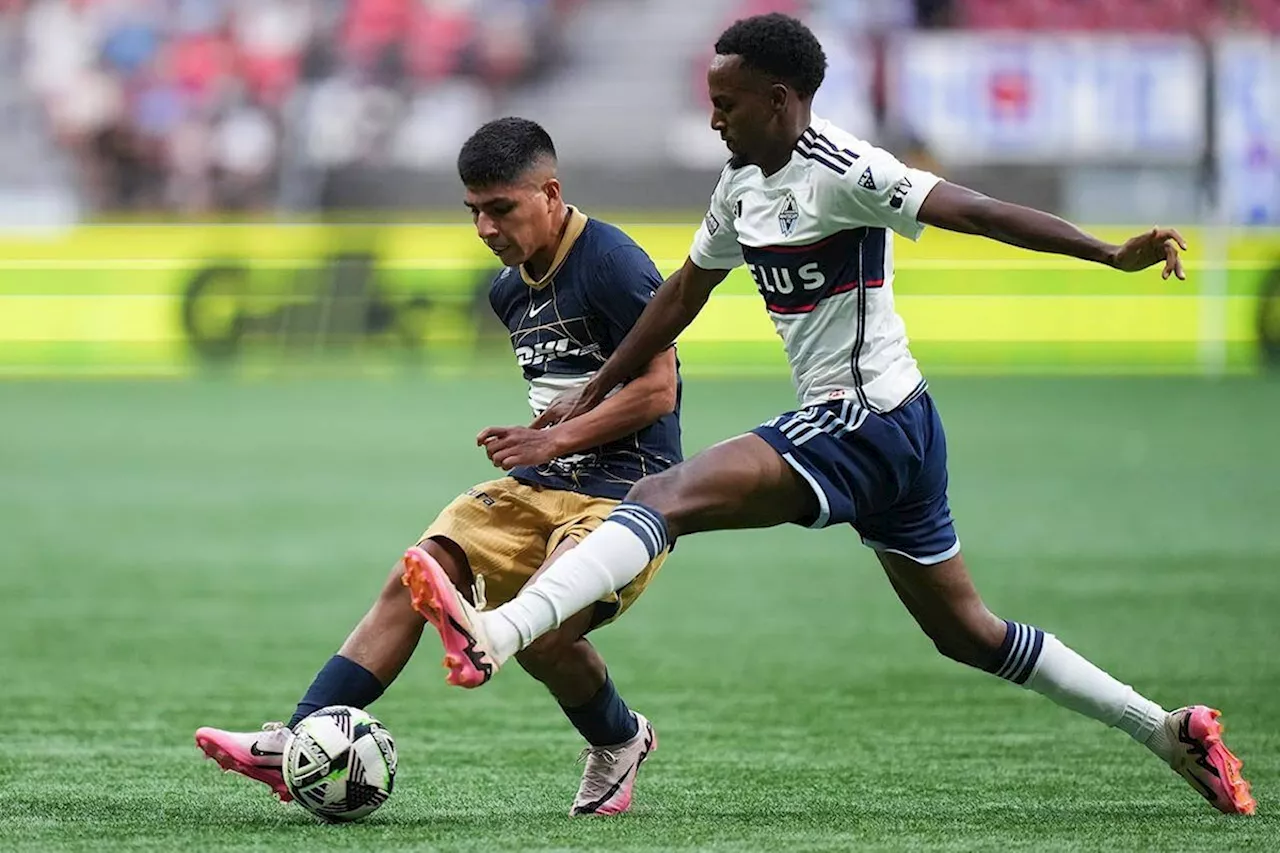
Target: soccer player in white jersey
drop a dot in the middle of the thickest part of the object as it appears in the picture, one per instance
(810, 209)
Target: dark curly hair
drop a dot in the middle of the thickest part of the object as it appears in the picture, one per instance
(780, 46)
(502, 150)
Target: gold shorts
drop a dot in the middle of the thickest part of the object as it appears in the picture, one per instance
(508, 529)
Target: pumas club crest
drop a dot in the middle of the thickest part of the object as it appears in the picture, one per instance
(789, 216)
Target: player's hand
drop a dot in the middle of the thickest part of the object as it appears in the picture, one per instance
(510, 446)
(1159, 245)
(556, 412)
(586, 400)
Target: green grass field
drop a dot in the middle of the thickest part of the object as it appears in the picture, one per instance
(175, 554)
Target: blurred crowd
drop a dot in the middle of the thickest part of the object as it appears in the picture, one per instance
(878, 16)
(196, 105)
(200, 105)
(861, 26)
(856, 34)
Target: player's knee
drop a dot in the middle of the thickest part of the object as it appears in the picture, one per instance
(453, 560)
(661, 492)
(652, 490)
(394, 588)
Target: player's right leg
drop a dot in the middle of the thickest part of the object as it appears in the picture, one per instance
(739, 483)
(373, 655)
(944, 602)
(915, 540)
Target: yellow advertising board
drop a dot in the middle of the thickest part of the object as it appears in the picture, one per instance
(166, 299)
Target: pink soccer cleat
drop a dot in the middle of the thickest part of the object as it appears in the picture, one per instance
(258, 755)
(468, 655)
(610, 775)
(1204, 761)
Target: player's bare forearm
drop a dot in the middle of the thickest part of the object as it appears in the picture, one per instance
(638, 403)
(677, 302)
(957, 208)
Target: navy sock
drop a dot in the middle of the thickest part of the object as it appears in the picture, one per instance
(1018, 653)
(605, 720)
(341, 681)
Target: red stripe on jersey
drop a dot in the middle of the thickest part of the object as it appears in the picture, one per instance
(805, 309)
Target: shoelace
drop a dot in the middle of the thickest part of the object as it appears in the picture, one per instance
(594, 781)
(276, 729)
(598, 752)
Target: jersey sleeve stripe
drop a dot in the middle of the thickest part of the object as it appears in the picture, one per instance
(827, 151)
(821, 159)
(814, 140)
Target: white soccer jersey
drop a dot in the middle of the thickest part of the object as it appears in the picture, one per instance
(816, 236)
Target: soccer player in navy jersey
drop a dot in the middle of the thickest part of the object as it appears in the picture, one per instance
(811, 210)
(571, 289)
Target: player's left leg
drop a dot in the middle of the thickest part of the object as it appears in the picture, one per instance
(739, 483)
(618, 739)
(944, 602)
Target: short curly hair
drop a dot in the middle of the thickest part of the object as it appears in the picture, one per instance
(780, 46)
(502, 150)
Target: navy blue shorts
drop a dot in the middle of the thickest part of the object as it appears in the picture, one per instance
(885, 474)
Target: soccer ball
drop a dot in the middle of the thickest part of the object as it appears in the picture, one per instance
(340, 763)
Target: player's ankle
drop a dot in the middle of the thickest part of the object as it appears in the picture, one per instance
(502, 627)
(1159, 741)
(604, 719)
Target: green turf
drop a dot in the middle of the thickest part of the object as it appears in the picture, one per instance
(175, 554)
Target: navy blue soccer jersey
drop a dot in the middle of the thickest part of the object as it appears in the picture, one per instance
(563, 327)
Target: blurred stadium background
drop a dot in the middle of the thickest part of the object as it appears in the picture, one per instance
(254, 200)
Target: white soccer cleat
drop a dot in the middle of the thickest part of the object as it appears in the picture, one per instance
(610, 774)
(468, 654)
(258, 755)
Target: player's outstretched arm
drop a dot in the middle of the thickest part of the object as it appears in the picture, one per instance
(958, 208)
(677, 302)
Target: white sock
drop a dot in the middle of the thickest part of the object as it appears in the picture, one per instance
(1039, 662)
(604, 562)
